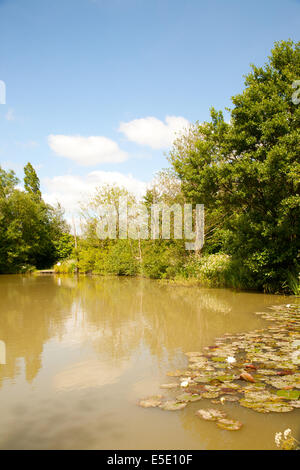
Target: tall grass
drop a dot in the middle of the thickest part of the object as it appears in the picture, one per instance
(293, 283)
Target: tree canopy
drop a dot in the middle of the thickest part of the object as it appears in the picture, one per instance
(31, 231)
(246, 171)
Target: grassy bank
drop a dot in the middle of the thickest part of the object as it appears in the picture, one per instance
(215, 270)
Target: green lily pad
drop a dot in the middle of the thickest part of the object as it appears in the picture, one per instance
(197, 389)
(266, 372)
(172, 405)
(202, 379)
(264, 359)
(210, 394)
(289, 394)
(230, 386)
(225, 378)
(260, 396)
(185, 397)
(277, 407)
(254, 406)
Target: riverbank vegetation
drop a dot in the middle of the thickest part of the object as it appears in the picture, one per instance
(245, 170)
(33, 234)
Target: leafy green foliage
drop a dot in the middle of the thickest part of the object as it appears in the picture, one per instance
(31, 231)
(32, 182)
(64, 246)
(162, 258)
(122, 258)
(247, 172)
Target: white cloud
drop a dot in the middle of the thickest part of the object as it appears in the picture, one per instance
(87, 150)
(70, 190)
(10, 115)
(153, 132)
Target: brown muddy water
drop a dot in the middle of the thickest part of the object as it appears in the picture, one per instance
(80, 353)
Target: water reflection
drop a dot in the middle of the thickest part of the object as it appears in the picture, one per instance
(114, 316)
(80, 352)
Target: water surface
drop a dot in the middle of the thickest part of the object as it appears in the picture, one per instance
(81, 352)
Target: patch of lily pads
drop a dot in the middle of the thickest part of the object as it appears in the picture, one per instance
(221, 419)
(259, 370)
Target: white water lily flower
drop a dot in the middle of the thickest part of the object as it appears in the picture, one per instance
(231, 360)
(185, 383)
(278, 438)
(287, 433)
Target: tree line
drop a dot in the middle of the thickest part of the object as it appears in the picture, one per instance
(245, 170)
(33, 234)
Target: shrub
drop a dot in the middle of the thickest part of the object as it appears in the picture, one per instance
(65, 267)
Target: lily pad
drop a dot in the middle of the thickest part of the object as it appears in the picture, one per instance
(294, 403)
(277, 407)
(202, 379)
(219, 359)
(229, 424)
(260, 396)
(226, 378)
(197, 389)
(151, 402)
(230, 398)
(211, 414)
(172, 405)
(185, 397)
(210, 394)
(289, 394)
(264, 360)
(246, 376)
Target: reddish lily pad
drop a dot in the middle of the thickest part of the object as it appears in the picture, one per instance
(247, 377)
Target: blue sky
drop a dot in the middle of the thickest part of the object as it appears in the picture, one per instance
(101, 76)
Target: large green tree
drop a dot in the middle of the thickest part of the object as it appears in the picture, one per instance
(32, 182)
(246, 172)
(31, 231)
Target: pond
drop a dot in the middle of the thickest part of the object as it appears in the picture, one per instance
(81, 353)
